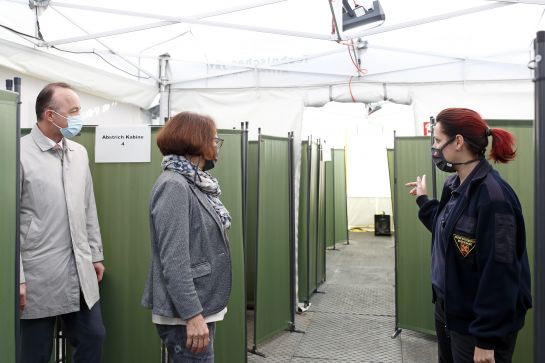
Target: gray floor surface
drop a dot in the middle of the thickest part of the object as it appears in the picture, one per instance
(353, 319)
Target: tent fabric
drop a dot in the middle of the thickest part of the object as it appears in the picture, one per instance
(52, 68)
(277, 45)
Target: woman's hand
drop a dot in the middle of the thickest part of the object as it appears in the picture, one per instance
(197, 334)
(419, 186)
(483, 355)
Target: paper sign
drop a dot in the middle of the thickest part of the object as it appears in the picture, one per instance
(123, 144)
(427, 128)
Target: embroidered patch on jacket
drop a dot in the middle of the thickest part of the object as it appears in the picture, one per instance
(465, 244)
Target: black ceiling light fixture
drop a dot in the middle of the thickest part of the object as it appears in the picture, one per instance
(360, 15)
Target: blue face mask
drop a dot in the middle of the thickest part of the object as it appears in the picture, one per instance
(75, 123)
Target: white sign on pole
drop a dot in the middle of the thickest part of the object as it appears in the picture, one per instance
(123, 144)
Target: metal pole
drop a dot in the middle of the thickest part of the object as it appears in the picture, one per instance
(17, 84)
(309, 170)
(164, 111)
(346, 198)
(433, 169)
(293, 276)
(397, 331)
(333, 188)
(539, 204)
(254, 347)
(244, 161)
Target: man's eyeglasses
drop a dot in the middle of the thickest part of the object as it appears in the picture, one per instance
(218, 141)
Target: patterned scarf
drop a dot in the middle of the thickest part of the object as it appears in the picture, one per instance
(204, 181)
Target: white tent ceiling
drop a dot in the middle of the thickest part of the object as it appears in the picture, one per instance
(420, 41)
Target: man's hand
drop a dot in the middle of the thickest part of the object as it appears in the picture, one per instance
(197, 334)
(483, 355)
(99, 269)
(419, 186)
(22, 296)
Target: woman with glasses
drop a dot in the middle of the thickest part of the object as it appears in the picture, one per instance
(479, 271)
(189, 278)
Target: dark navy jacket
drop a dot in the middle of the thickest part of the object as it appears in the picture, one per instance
(487, 275)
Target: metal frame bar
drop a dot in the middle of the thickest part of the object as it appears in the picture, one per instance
(317, 219)
(397, 330)
(244, 162)
(17, 89)
(427, 20)
(169, 20)
(254, 347)
(309, 171)
(108, 47)
(539, 204)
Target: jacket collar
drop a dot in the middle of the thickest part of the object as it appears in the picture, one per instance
(45, 143)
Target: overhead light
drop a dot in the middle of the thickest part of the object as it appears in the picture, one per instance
(39, 5)
(359, 15)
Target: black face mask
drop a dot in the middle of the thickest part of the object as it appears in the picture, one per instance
(208, 165)
(441, 163)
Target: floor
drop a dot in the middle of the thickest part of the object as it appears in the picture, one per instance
(353, 317)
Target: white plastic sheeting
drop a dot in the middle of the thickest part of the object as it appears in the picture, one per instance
(52, 68)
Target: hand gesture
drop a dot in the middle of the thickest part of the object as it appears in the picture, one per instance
(197, 334)
(419, 186)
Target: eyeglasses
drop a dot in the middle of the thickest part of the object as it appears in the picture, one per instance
(218, 141)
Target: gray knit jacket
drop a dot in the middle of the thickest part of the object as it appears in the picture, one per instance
(190, 268)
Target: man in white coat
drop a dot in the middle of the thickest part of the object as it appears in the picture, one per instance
(61, 248)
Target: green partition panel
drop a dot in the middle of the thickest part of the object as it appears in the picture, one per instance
(390, 156)
(339, 186)
(329, 205)
(413, 241)
(520, 175)
(303, 236)
(230, 342)
(252, 224)
(313, 219)
(273, 248)
(320, 251)
(8, 220)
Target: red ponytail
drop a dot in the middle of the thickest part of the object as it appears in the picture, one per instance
(503, 146)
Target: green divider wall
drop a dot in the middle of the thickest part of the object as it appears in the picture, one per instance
(122, 196)
(390, 156)
(339, 185)
(415, 310)
(413, 244)
(303, 243)
(520, 175)
(8, 218)
(252, 224)
(273, 248)
(313, 225)
(320, 250)
(230, 342)
(329, 205)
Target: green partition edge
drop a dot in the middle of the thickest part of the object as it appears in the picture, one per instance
(320, 255)
(230, 340)
(313, 225)
(273, 288)
(251, 240)
(329, 205)
(8, 220)
(302, 249)
(339, 185)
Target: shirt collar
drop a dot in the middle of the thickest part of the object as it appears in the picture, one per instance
(478, 172)
(45, 143)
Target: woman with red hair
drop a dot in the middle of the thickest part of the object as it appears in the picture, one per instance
(480, 270)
